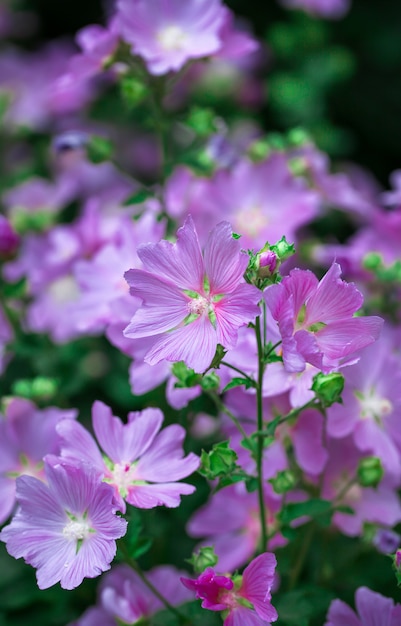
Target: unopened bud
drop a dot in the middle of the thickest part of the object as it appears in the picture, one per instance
(206, 557)
(283, 249)
(370, 471)
(220, 461)
(267, 264)
(283, 481)
(9, 239)
(328, 387)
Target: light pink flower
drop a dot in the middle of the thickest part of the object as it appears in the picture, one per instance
(316, 319)
(192, 302)
(168, 33)
(142, 464)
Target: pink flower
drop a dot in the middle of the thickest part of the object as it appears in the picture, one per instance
(142, 464)
(373, 610)
(247, 597)
(66, 528)
(168, 33)
(192, 303)
(316, 319)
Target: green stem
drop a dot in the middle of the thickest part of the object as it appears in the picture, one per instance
(260, 438)
(302, 554)
(236, 369)
(134, 565)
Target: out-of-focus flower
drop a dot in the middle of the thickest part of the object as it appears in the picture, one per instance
(27, 434)
(373, 609)
(67, 528)
(169, 33)
(123, 596)
(192, 302)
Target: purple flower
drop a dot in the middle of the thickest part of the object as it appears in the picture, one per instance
(246, 598)
(142, 464)
(26, 436)
(124, 598)
(373, 609)
(386, 541)
(316, 319)
(192, 303)
(168, 33)
(67, 529)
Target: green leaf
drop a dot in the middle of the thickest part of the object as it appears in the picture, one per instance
(99, 149)
(138, 197)
(311, 508)
(238, 382)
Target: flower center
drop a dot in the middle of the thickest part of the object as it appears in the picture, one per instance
(374, 407)
(64, 290)
(77, 529)
(198, 305)
(172, 38)
(251, 221)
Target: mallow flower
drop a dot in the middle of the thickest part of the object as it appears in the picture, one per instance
(316, 319)
(168, 33)
(141, 463)
(373, 609)
(244, 599)
(192, 302)
(67, 528)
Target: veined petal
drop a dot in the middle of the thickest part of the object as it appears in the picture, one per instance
(165, 458)
(300, 284)
(125, 442)
(160, 494)
(334, 299)
(164, 305)
(181, 263)
(341, 338)
(78, 444)
(195, 344)
(225, 264)
(235, 310)
(257, 581)
(242, 616)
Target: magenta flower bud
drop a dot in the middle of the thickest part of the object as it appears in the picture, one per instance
(397, 559)
(9, 239)
(267, 263)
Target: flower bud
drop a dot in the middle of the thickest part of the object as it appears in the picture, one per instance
(283, 481)
(386, 541)
(220, 461)
(206, 557)
(370, 471)
(328, 387)
(267, 264)
(9, 239)
(283, 249)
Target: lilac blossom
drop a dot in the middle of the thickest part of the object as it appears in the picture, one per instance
(269, 200)
(373, 609)
(167, 34)
(371, 405)
(123, 596)
(98, 45)
(192, 302)
(27, 434)
(246, 598)
(67, 528)
(142, 464)
(316, 319)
